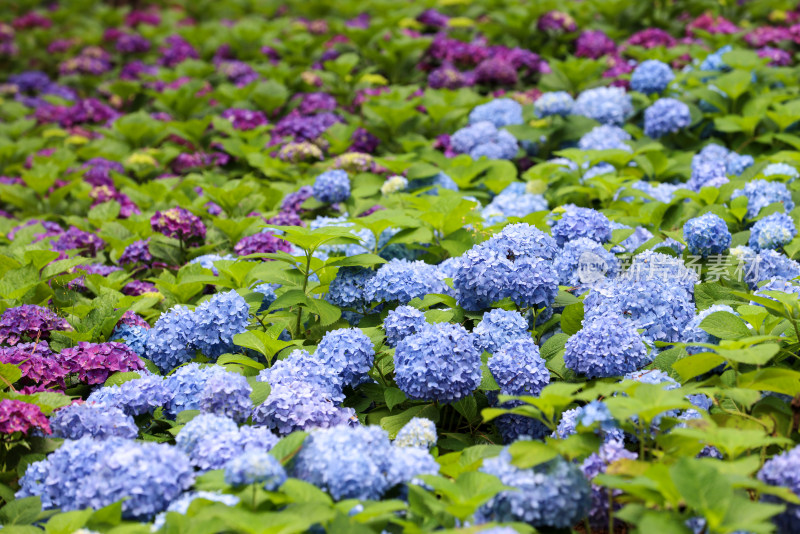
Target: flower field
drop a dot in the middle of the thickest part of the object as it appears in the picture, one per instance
(489, 266)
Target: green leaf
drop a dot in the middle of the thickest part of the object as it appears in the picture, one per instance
(120, 378)
(572, 318)
(757, 355)
(393, 397)
(725, 325)
(21, 511)
(261, 391)
(288, 446)
(328, 313)
(260, 342)
(10, 373)
(697, 365)
(393, 423)
(67, 522)
(527, 454)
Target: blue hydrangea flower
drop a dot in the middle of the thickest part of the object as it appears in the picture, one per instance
(666, 115)
(692, 333)
(349, 288)
(651, 76)
(418, 432)
(207, 261)
(660, 307)
(513, 201)
(498, 327)
(761, 193)
(203, 425)
(348, 352)
(595, 414)
(707, 234)
(438, 363)
(134, 336)
(773, 231)
(186, 385)
(402, 322)
(611, 451)
(605, 137)
(134, 397)
(213, 451)
(581, 222)
(553, 494)
(486, 275)
(777, 285)
(216, 322)
(733, 162)
(662, 268)
(101, 422)
(327, 460)
(332, 186)
(522, 239)
(181, 505)
(484, 139)
(583, 261)
(500, 112)
(300, 406)
(607, 105)
(300, 366)
(407, 463)
(555, 103)
(87, 473)
(403, 280)
(268, 290)
(255, 467)
(518, 369)
(769, 264)
(598, 170)
(227, 394)
(514, 427)
(607, 345)
(169, 344)
(713, 61)
(710, 173)
(784, 470)
(781, 169)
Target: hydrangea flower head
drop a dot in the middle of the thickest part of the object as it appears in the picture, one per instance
(651, 76)
(255, 467)
(261, 243)
(606, 346)
(555, 103)
(401, 280)
(418, 432)
(772, 232)
(332, 186)
(518, 368)
(186, 385)
(29, 322)
(500, 112)
(300, 406)
(761, 193)
(134, 397)
(484, 139)
(707, 234)
(497, 328)
(94, 362)
(769, 264)
(203, 425)
(97, 421)
(439, 363)
(607, 105)
(605, 137)
(180, 224)
(584, 261)
(347, 351)
(582, 222)
(349, 288)
(402, 322)
(666, 115)
(782, 470)
(227, 394)
(216, 321)
(18, 416)
(780, 169)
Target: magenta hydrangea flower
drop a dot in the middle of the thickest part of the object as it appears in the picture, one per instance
(138, 287)
(313, 102)
(286, 218)
(29, 322)
(176, 51)
(18, 416)
(264, 243)
(556, 21)
(87, 244)
(651, 38)
(293, 201)
(131, 318)
(137, 252)
(245, 119)
(39, 365)
(95, 362)
(180, 224)
(594, 44)
(80, 282)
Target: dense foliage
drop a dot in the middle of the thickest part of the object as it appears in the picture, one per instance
(498, 266)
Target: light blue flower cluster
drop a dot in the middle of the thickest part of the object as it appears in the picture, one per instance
(227, 394)
(332, 186)
(349, 288)
(205, 424)
(500, 112)
(662, 268)
(769, 264)
(207, 261)
(666, 115)
(327, 461)
(213, 451)
(497, 328)
(581, 222)
(659, 306)
(513, 201)
(773, 232)
(87, 473)
(300, 406)
(607, 345)
(486, 275)
(707, 173)
(402, 322)
(349, 353)
(706, 235)
(300, 366)
(518, 369)
(583, 261)
(134, 397)
(179, 333)
(438, 363)
(555, 103)
(713, 61)
(611, 451)
(96, 421)
(651, 76)
(134, 336)
(734, 163)
(594, 415)
(522, 239)
(255, 467)
(403, 280)
(781, 169)
(553, 494)
(784, 470)
(607, 105)
(761, 193)
(692, 333)
(418, 432)
(605, 137)
(484, 139)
